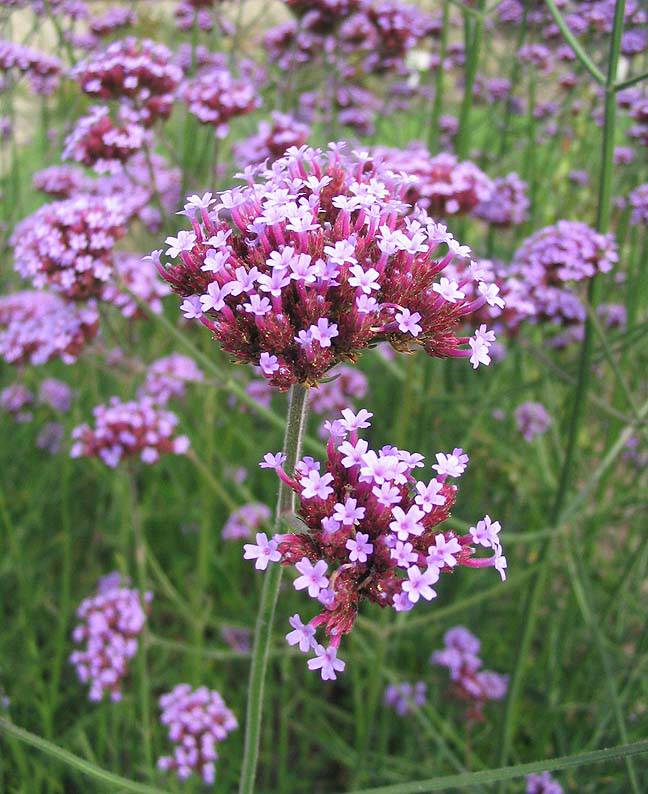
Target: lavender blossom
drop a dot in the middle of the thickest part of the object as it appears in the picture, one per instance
(532, 420)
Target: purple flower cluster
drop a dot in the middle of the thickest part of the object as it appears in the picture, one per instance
(470, 683)
(114, 18)
(442, 185)
(197, 721)
(247, 519)
(36, 327)
(110, 623)
(375, 526)
(215, 96)
(639, 204)
(167, 378)
(97, 142)
(553, 257)
(507, 205)
(68, 245)
(135, 429)
(543, 783)
(132, 276)
(405, 697)
(321, 259)
(15, 400)
(138, 73)
(532, 419)
(56, 394)
(60, 181)
(272, 139)
(43, 71)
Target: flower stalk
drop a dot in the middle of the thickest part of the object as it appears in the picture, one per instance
(295, 425)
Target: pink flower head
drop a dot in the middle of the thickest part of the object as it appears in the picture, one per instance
(316, 261)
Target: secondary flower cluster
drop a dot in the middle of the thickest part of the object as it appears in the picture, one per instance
(56, 394)
(332, 396)
(272, 139)
(139, 73)
(132, 276)
(60, 181)
(15, 400)
(68, 245)
(44, 71)
(197, 720)
(470, 683)
(127, 430)
(110, 623)
(215, 96)
(167, 378)
(36, 327)
(376, 528)
(532, 419)
(507, 205)
(553, 257)
(247, 519)
(443, 185)
(97, 142)
(321, 259)
(405, 697)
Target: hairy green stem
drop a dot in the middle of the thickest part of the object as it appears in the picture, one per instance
(537, 589)
(295, 424)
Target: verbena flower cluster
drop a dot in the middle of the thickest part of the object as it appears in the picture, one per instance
(110, 624)
(507, 205)
(543, 783)
(197, 721)
(135, 429)
(553, 257)
(132, 276)
(321, 259)
(272, 139)
(167, 378)
(15, 400)
(60, 181)
(405, 697)
(532, 419)
(43, 71)
(98, 143)
(36, 327)
(246, 520)
(470, 683)
(68, 245)
(138, 73)
(215, 96)
(371, 532)
(443, 185)
(56, 394)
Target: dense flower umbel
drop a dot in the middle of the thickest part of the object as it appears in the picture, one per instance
(371, 533)
(15, 400)
(553, 257)
(56, 394)
(167, 378)
(68, 245)
(443, 185)
(531, 419)
(131, 275)
(508, 204)
(246, 520)
(60, 181)
(138, 72)
(543, 783)
(111, 622)
(36, 327)
(272, 139)
(97, 142)
(315, 263)
(197, 720)
(136, 429)
(215, 96)
(470, 683)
